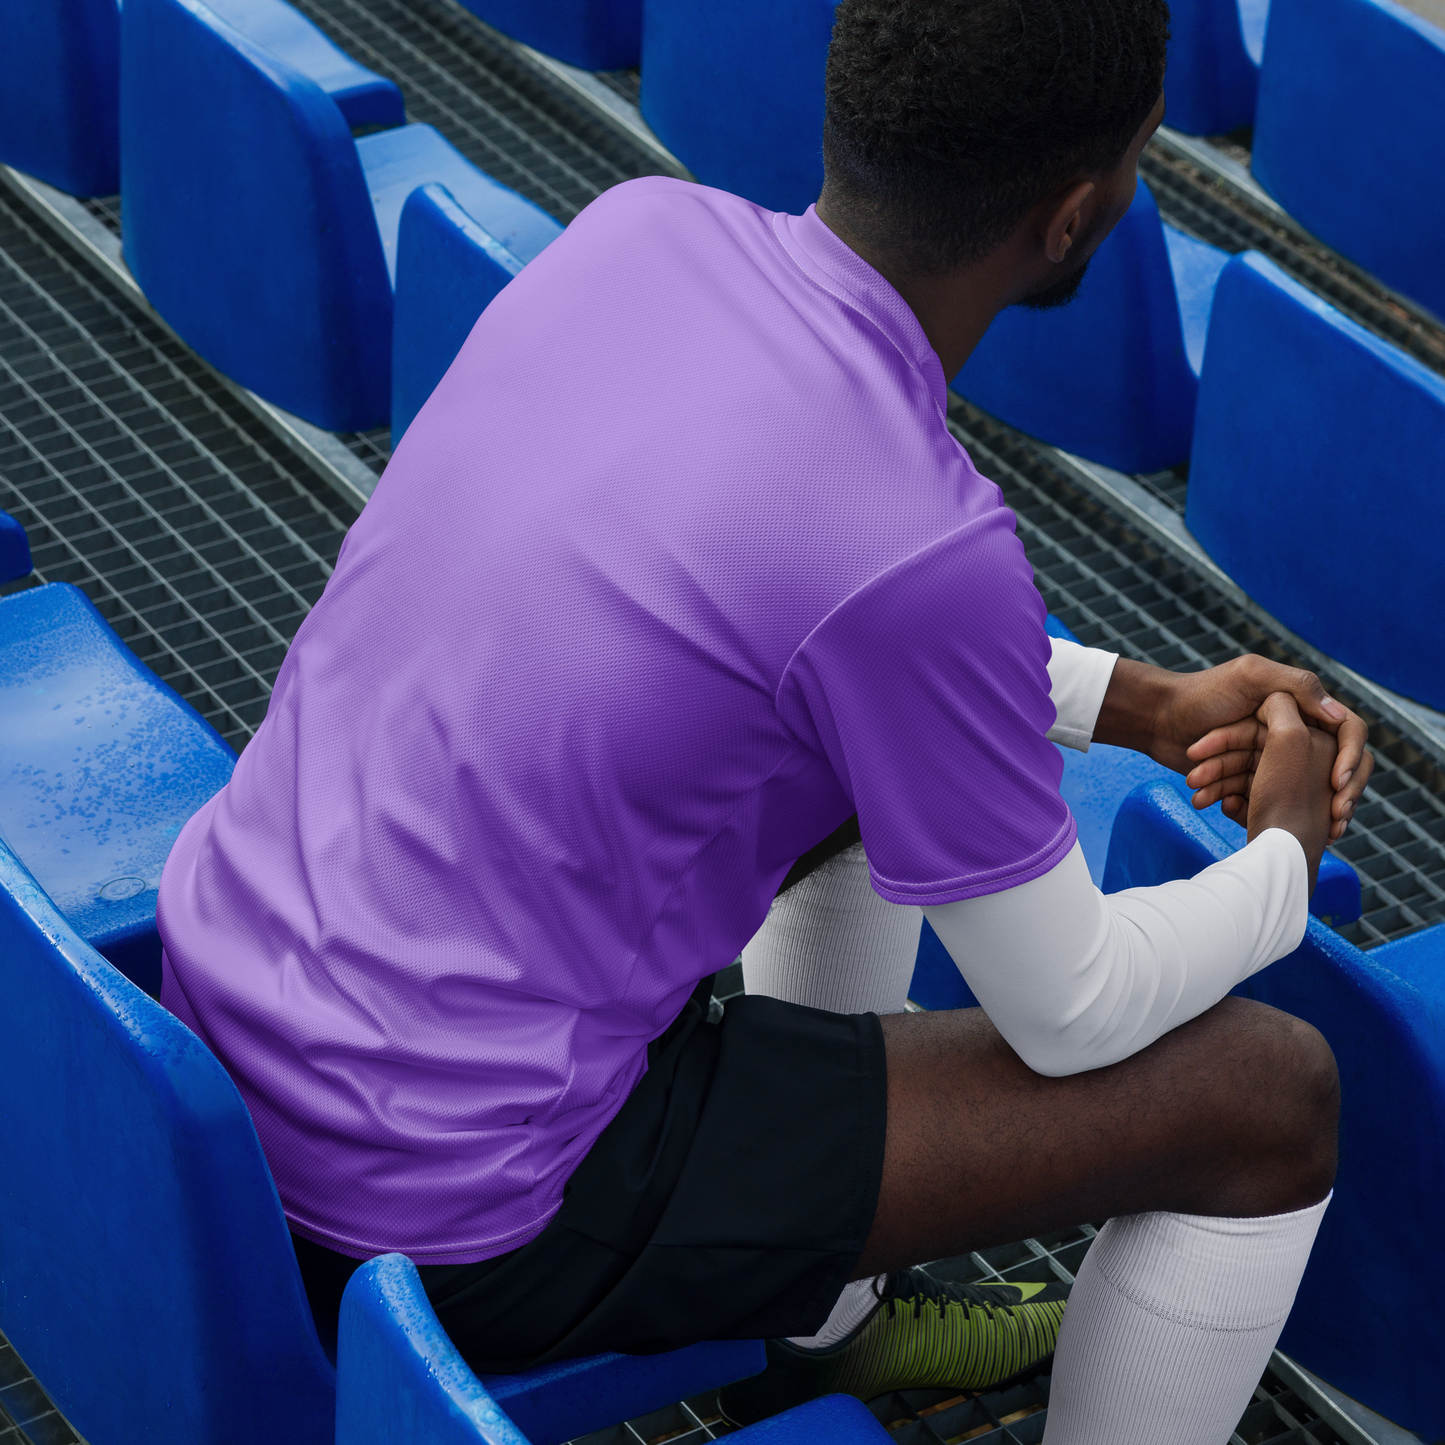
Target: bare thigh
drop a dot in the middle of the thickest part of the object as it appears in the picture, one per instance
(1232, 1114)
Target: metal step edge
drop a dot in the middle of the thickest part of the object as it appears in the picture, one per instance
(582, 85)
(1354, 1423)
(1163, 525)
(1239, 181)
(321, 450)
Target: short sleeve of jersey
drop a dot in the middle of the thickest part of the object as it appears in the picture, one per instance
(928, 691)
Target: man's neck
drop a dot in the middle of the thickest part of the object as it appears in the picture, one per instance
(955, 309)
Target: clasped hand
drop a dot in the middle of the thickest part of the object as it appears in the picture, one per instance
(1214, 725)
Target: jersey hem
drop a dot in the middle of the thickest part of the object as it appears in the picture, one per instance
(980, 885)
(459, 1254)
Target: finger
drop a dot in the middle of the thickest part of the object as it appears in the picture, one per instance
(1223, 766)
(1311, 698)
(1352, 738)
(1237, 809)
(1232, 737)
(1347, 799)
(1279, 712)
(1237, 785)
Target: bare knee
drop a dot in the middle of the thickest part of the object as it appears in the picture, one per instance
(1285, 1098)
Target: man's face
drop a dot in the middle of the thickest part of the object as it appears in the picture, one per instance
(1115, 194)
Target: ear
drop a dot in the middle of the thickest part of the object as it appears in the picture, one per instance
(1065, 222)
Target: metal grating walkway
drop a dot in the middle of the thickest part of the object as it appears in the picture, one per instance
(201, 539)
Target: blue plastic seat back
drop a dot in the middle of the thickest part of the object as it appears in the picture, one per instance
(1315, 477)
(146, 1274)
(1109, 375)
(1349, 130)
(555, 1403)
(363, 97)
(59, 96)
(1357, 1321)
(399, 1378)
(1212, 74)
(100, 766)
(14, 550)
(397, 162)
(594, 34)
(247, 218)
(448, 270)
(735, 91)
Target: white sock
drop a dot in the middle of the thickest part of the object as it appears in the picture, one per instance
(855, 1304)
(832, 943)
(1170, 1325)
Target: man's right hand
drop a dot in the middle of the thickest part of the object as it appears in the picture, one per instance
(1291, 787)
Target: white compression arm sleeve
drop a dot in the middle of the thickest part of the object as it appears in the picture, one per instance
(1076, 979)
(1078, 679)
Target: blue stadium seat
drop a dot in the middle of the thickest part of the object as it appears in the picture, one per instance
(1349, 130)
(100, 766)
(1094, 786)
(1215, 50)
(364, 98)
(595, 34)
(448, 269)
(14, 550)
(146, 1273)
(59, 99)
(1358, 1321)
(257, 226)
(400, 1379)
(735, 91)
(1314, 480)
(1114, 375)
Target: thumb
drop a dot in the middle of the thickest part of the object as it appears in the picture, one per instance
(1314, 702)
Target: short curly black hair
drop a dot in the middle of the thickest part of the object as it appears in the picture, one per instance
(947, 119)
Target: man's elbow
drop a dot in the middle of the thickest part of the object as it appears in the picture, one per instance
(1058, 1054)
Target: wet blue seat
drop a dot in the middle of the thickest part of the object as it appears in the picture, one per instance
(58, 101)
(399, 1378)
(736, 93)
(100, 766)
(146, 1272)
(1383, 1014)
(1114, 375)
(14, 549)
(1094, 785)
(1348, 134)
(594, 34)
(257, 226)
(448, 269)
(1314, 479)
(1215, 50)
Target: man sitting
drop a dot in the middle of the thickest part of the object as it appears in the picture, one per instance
(678, 571)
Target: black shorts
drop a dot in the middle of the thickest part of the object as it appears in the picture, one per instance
(730, 1198)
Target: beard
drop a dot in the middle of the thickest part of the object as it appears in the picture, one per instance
(1050, 298)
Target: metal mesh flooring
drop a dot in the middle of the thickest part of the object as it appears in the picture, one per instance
(201, 539)
(1196, 203)
(26, 1415)
(1116, 590)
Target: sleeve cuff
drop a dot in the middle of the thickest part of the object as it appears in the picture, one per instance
(1078, 679)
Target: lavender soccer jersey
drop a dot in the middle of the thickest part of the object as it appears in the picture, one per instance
(677, 568)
